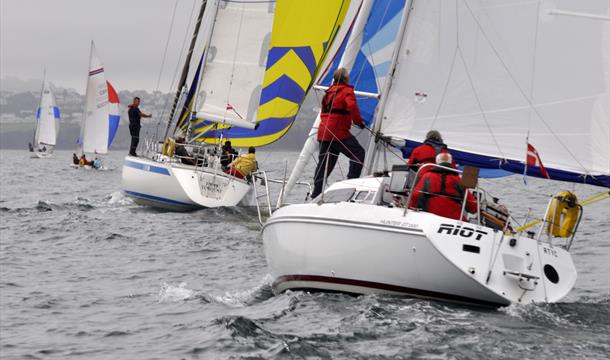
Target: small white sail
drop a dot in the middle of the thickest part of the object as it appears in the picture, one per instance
(235, 62)
(95, 127)
(47, 119)
(490, 74)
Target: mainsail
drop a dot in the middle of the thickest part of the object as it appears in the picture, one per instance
(495, 75)
(47, 118)
(302, 34)
(102, 116)
(234, 66)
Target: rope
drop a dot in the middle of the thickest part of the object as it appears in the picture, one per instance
(591, 200)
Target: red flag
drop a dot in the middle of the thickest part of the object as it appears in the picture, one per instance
(533, 159)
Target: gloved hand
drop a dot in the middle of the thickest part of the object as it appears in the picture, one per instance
(362, 126)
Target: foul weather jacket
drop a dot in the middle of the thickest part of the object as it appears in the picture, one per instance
(439, 192)
(339, 109)
(245, 164)
(426, 154)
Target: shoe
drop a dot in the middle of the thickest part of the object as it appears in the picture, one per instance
(133, 154)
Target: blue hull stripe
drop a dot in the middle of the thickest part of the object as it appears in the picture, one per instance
(158, 199)
(146, 167)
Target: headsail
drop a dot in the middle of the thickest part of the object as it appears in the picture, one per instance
(101, 118)
(376, 42)
(114, 113)
(302, 33)
(492, 74)
(47, 118)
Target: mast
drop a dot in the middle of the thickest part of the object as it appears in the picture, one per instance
(185, 69)
(347, 61)
(84, 123)
(370, 161)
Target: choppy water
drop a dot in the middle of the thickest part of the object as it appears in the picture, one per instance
(87, 274)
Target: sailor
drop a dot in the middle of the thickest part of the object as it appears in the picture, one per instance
(439, 191)
(182, 153)
(228, 154)
(426, 153)
(75, 159)
(83, 161)
(96, 163)
(134, 124)
(244, 165)
(339, 110)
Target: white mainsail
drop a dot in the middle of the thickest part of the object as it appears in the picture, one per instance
(235, 62)
(95, 127)
(47, 119)
(492, 75)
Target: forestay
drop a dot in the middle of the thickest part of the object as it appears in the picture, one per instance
(492, 75)
(47, 118)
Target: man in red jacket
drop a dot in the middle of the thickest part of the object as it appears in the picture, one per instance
(439, 191)
(339, 110)
(426, 153)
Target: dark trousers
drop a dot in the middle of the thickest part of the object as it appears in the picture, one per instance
(134, 131)
(329, 153)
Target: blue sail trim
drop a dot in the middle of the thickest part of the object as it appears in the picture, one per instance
(38, 113)
(514, 166)
(56, 112)
(285, 88)
(267, 127)
(113, 126)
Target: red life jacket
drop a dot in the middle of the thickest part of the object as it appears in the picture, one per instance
(339, 109)
(439, 192)
(426, 154)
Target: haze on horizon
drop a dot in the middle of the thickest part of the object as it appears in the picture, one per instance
(130, 37)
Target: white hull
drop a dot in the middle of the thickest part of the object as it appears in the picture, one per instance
(41, 155)
(174, 186)
(362, 248)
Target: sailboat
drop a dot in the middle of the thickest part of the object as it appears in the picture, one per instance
(47, 124)
(228, 85)
(102, 114)
(495, 78)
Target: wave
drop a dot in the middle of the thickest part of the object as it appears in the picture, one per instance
(170, 293)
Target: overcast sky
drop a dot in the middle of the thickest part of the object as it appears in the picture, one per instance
(130, 36)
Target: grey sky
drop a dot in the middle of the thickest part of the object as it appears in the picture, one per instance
(130, 36)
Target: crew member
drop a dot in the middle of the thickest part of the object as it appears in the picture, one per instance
(244, 165)
(182, 153)
(134, 124)
(75, 159)
(228, 154)
(439, 191)
(339, 110)
(426, 153)
(83, 161)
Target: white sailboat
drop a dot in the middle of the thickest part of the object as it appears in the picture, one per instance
(47, 124)
(226, 87)
(102, 115)
(493, 76)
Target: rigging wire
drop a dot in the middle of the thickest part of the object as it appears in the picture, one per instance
(514, 80)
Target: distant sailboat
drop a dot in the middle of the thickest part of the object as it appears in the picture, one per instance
(47, 124)
(102, 115)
